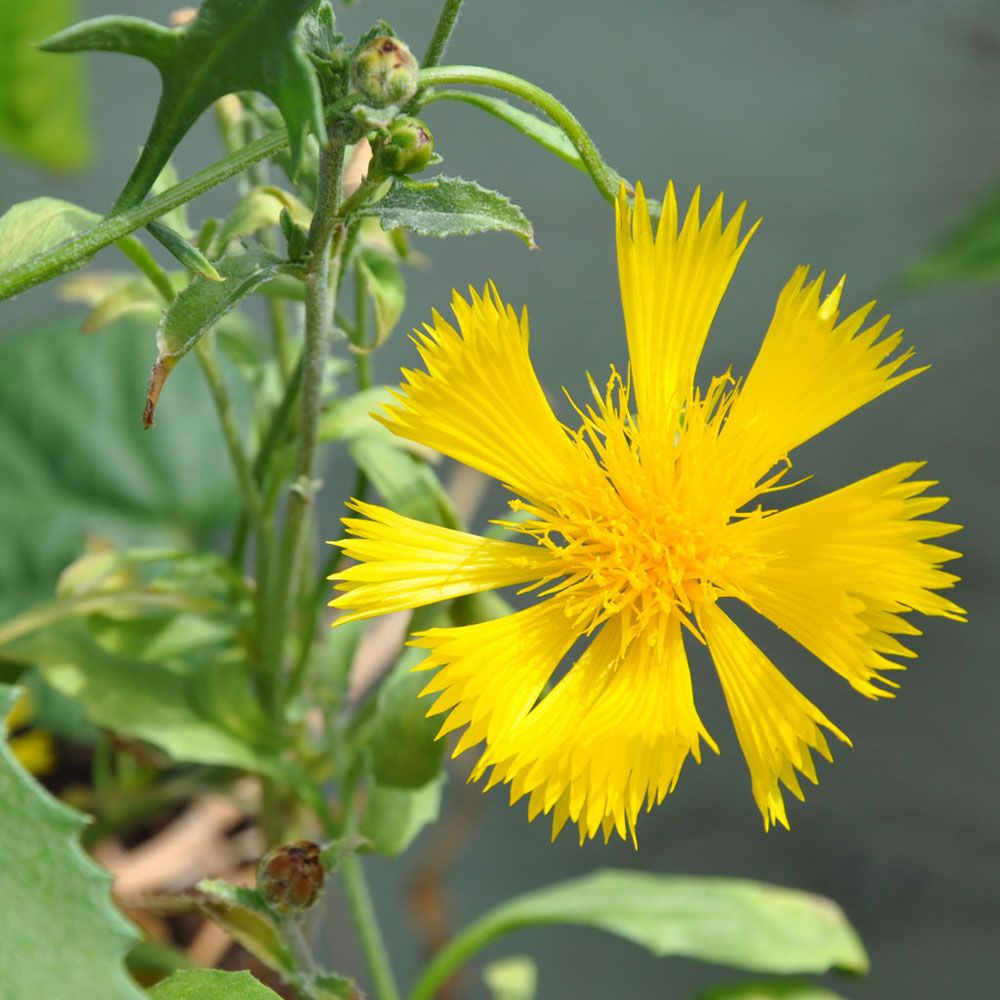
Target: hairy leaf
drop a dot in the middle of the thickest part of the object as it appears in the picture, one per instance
(969, 252)
(29, 227)
(201, 305)
(42, 101)
(211, 984)
(67, 405)
(449, 206)
(394, 816)
(231, 45)
(58, 926)
(749, 925)
(260, 208)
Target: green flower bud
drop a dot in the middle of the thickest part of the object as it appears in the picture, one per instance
(384, 71)
(291, 877)
(406, 149)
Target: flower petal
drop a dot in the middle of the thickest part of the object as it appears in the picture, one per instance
(490, 674)
(610, 737)
(403, 563)
(480, 402)
(776, 725)
(810, 372)
(839, 572)
(671, 286)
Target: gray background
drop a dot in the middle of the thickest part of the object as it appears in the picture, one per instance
(858, 131)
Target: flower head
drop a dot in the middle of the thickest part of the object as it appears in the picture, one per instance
(642, 524)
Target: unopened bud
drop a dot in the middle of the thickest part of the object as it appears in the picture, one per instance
(291, 876)
(407, 148)
(384, 71)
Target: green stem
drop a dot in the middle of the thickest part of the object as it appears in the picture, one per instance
(454, 955)
(136, 252)
(607, 180)
(442, 33)
(372, 943)
(77, 251)
(205, 352)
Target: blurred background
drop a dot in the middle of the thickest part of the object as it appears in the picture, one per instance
(859, 132)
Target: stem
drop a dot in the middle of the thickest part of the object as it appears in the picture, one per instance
(77, 251)
(442, 33)
(306, 970)
(205, 352)
(449, 959)
(372, 943)
(137, 253)
(607, 180)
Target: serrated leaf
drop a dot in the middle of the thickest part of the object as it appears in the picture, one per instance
(405, 752)
(199, 307)
(406, 483)
(394, 816)
(56, 900)
(211, 984)
(232, 45)
(514, 978)
(749, 925)
(449, 206)
(970, 251)
(43, 104)
(773, 989)
(59, 487)
(28, 228)
(385, 284)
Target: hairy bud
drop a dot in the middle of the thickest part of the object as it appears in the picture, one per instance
(384, 70)
(406, 148)
(291, 876)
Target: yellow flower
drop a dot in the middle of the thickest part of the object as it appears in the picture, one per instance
(35, 749)
(641, 523)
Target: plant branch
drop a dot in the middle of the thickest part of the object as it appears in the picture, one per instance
(442, 33)
(607, 180)
(372, 943)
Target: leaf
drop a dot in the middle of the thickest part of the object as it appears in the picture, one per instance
(449, 206)
(152, 701)
(349, 417)
(211, 984)
(969, 252)
(30, 227)
(42, 100)
(394, 816)
(202, 304)
(232, 45)
(60, 484)
(406, 483)
(385, 284)
(186, 254)
(773, 989)
(60, 930)
(404, 750)
(260, 208)
(514, 978)
(550, 136)
(749, 925)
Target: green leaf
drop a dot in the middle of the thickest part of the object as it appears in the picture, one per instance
(186, 254)
(232, 45)
(514, 978)
(385, 284)
(969, 252)
(449, 206)
(43, 101)
(405, 482)
(199, 307)
(60, 931)
(547, 135)
(28, 228)
(772, 989)
(749, 925)
(260, 208)
(152, 701)
(404, 750)
(83, 396)
(394, 816)
(211, 984)
(349, 417)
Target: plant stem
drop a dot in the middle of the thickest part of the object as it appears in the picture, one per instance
(606, 179)
(442, 33)
(77, 251)
(205, 352)
(369, 933)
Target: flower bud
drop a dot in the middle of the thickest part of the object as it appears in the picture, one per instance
(291, 876)
(406, 149)
(384, 70)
